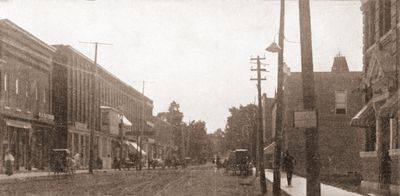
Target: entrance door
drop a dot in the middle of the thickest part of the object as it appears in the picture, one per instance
(18, 141)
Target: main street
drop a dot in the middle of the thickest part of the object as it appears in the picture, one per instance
(196, 180)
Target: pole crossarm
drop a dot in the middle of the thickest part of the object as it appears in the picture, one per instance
(260, 133)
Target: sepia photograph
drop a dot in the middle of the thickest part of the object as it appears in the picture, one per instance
(199, 98)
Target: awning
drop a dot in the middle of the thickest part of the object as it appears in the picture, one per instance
(125, 121)
(389, 109)
(270, 148)
(18, 124)
(134, 146)
(365, 117)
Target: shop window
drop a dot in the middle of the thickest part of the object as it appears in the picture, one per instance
(340, 102)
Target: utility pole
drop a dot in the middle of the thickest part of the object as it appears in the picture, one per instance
(141, 128)
(276, 187)
(141, 125)
(307, 73)
(94, 104)
(260, 146)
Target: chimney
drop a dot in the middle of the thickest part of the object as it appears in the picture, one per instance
(340, 64)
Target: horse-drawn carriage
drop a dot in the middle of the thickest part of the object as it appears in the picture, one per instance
(62, 162)
(239, 162)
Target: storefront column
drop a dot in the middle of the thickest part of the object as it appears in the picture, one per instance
(382, 151)
(29, 150)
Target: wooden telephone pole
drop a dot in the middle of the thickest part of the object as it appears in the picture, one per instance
(94, 104)
(260, 133)
(307, 73)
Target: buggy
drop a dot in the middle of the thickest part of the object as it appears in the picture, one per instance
(62, 162)
(238, 162)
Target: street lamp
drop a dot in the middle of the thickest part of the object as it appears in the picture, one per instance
(273, 48)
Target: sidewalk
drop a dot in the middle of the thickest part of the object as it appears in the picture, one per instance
(35, 174)
(298, 187)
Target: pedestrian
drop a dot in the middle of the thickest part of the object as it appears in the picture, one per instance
(77, 158)
(9, 159)
(288, 163)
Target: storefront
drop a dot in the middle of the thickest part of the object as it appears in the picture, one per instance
(29, 141)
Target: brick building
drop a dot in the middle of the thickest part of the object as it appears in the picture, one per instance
(379, 116)
(72, 106)
(26, 122)
(337, 101)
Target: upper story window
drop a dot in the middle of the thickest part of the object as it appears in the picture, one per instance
(44, 95)
(385, 16)
(36, 91)
(340, 102)
(371, 22)
(5, 82)
(27, 89)
(17, 86)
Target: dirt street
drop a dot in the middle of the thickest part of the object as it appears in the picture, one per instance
(194, 181)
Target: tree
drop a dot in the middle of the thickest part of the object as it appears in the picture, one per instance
(199, 148)
(240, 127)
(174, 117)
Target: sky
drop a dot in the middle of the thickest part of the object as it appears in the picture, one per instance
(194, 52)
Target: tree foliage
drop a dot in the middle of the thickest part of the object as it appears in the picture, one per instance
(240, 124)
(198, 142)
(174, 117)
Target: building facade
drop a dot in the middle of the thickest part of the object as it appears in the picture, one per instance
(75, 82)
(26, 120)
(337, 101)
(379, 116)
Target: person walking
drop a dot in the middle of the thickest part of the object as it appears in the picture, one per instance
(288, 163)
(9, 159)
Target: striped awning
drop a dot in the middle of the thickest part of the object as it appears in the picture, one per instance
(365, 117)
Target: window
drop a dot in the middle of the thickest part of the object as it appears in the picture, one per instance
(385, 16)
(340, 102)
(36, 92)
(393, 134)
(16, 86)
(27, 89)
(371, 22)
(44, 95)
(5, 82)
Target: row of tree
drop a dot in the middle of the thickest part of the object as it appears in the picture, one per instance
(190, 138)
(239, 131)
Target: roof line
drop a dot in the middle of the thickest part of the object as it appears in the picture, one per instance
(102, 68)
(23, 31)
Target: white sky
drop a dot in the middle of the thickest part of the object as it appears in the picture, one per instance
(196, 52)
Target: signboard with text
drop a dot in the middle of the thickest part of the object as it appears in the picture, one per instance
(305, 119)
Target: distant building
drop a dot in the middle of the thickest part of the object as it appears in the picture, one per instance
(72, 105)
(379, 118)
(337, 101)
(26, 120)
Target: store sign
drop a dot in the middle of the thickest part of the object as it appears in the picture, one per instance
(80, 126)
(46, 116)
(305, 119)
